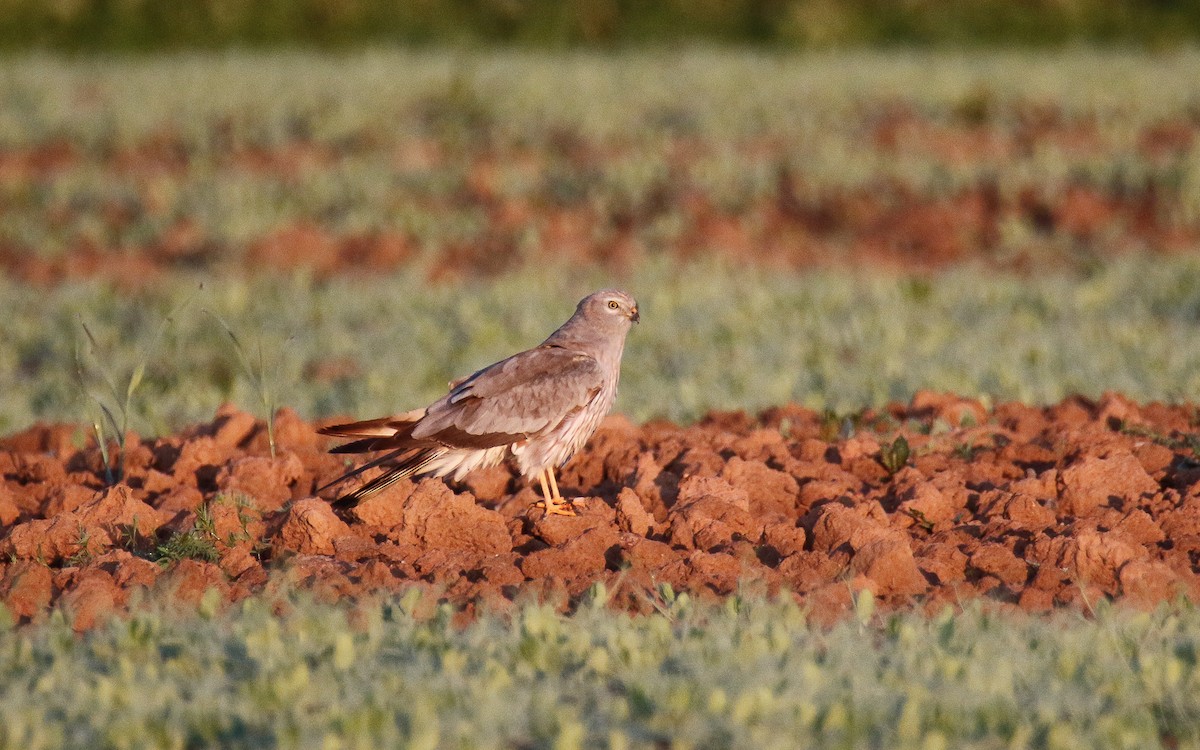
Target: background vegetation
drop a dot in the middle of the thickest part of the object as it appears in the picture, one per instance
(492, 159)
(474, 159)
(745, 674)
(163, 24)
(712, 336)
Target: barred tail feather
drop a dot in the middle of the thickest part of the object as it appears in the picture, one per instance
(411, 465)
(368, 465)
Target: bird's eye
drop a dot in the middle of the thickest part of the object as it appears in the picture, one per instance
(613, 304)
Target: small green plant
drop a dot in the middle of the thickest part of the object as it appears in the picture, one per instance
(256, 371)
(966, 451)
(1176, 441)
(785, 428)
(110, 409)
(104, 420)
(131, 535)
(186, 545)
(917, 289)
(663, 599)
(1192, 442)
(241, 504)
(205, 522)
(921, 521)
(83, 554)
(864, 607)
(835, 426)
(894, 455)
(197, 543)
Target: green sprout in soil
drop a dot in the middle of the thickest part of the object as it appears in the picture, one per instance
(111, 408)
(241, 504)
(256, 371)
(920, 520)
(197, 543)
(84, 554)
(966, 451)
(894, 455)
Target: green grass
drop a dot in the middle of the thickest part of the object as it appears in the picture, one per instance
(711, 337)
(745, 674)
(274, 98)
(395, 135)
(197, 543)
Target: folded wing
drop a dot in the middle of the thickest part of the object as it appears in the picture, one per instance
(517, 398)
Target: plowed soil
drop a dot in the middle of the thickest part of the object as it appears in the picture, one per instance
(1027, 507)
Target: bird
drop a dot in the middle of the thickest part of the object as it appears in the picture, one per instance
(538, 407)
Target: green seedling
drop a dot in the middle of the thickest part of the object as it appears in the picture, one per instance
(186, 545)
(920, 519)
(104, 421)
(836, 426)
(256, 371)
(864, 607)
(110, 410)
(205, 523)
(966, 451)
(1176, 441)
(785, 428)
(894, 455)
(131, 535)
(197, 543)
(83, 555)
(241, 504)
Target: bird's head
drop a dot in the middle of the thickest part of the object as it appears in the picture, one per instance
(610, 307)
(601, 319)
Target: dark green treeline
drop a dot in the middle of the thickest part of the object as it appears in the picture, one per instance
(149, 25)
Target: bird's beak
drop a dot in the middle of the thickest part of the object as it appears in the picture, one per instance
(635, 317)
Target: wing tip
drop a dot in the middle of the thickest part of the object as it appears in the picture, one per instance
(411, 466)
(380, 427)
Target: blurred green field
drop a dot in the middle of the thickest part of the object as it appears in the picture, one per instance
(272, 98)
(484, 153)
(198, 156)
(711, 337)
(745, 674)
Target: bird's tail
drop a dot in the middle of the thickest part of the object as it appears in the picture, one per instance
(393, 434)
(410, 465)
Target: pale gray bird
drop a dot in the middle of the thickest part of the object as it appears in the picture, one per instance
(539, 406)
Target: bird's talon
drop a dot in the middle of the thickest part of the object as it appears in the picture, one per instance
(556, 507)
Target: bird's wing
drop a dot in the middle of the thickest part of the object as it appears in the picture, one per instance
(375, 434)
(513, 399)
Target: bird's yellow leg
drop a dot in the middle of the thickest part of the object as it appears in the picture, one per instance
(567, 504)
(555, 505)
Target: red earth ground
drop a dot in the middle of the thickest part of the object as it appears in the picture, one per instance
(1026, 507)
